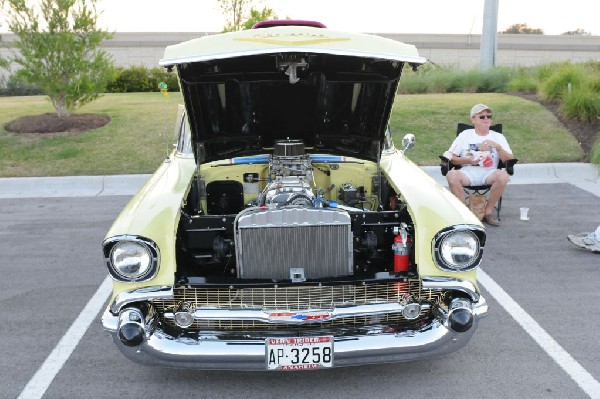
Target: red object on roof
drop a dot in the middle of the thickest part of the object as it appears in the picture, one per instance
(287, 22)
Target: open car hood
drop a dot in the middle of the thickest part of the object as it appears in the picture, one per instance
(332, 90)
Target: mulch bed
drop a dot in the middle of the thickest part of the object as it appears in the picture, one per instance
(51, 123)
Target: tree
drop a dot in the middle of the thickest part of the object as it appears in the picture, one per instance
(523, 29)
(576, 32)
(257, 16)
(58, 49)
(240, 13)
(3, 62)
(235, 10)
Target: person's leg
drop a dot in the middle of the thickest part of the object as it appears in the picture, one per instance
(456, 181)
(498, 181)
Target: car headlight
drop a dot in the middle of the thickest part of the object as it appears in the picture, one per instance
(131, 258)
(459, 248)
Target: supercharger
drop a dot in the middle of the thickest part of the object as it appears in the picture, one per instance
(290, 174)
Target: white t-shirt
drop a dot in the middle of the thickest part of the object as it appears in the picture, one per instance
(468, 142)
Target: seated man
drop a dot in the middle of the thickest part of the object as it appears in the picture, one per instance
(478, 151)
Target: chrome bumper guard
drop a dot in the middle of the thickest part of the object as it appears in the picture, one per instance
(218, 350)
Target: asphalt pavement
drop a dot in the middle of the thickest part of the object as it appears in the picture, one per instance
(538, 341)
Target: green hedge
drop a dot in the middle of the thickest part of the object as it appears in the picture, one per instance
(141, 79)
(13, 86)
(124, 80)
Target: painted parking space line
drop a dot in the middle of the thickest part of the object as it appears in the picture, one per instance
(577, 373)
(41, 380)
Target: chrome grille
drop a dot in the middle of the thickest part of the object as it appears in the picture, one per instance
(300, 298)
(270, 243)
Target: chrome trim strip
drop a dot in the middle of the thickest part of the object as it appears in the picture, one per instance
(139, 295)
(267, 317)
(451, 284)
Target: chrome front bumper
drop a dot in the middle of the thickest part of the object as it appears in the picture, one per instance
(218, 350)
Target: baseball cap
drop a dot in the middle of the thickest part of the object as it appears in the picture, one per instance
(478, 108)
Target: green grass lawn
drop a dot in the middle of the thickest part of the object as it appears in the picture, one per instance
(142, 130)
(534, 133)
(135, 141)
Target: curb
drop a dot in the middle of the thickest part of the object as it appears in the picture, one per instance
(71, 186)
(583, 175)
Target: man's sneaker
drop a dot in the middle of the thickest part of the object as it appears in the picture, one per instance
(491, 219)
(586, 241)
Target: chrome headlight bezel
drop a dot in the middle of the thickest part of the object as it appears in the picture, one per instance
(146, 245)
(474, 234)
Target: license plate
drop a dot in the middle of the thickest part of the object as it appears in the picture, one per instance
(299, 353)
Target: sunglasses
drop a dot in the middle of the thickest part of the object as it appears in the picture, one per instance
(485, 116)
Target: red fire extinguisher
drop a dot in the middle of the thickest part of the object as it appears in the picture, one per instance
(401, 249)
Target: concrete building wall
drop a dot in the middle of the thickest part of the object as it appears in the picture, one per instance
(461, 51)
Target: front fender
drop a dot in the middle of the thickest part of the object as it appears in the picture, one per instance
(432, 208)
(154, 213)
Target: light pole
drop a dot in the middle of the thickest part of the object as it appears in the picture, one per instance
(489, 35)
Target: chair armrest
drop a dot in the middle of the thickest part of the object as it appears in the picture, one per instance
(510, 166)
(444, 165)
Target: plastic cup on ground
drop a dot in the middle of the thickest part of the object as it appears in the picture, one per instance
(524, 213)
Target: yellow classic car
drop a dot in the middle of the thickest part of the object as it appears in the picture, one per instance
(287, 231)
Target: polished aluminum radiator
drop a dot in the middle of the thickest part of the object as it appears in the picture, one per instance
(292, 243)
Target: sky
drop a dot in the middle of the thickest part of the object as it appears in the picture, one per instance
(369, 16)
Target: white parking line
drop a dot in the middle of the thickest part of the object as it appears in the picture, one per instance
(39, 383)
(577, 373)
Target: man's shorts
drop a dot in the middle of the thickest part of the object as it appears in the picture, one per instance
(477, 174)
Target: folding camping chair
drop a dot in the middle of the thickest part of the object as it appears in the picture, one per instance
(446, 165)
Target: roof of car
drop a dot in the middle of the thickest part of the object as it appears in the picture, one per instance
(289, 39)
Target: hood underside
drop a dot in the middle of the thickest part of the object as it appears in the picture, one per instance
(336, 101)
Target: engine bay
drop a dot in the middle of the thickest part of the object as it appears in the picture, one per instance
(290, 216)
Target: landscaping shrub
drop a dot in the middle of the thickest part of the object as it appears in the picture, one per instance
(431, 78)
(133, 79)
(471, 81)
(441, 80)
(543, 72)
(414, 82)
(495, 80)
(141, 79)
(582, 104)
(523, 80)
(158, 75)
(411, 83)
(14, 86)
(557, 84)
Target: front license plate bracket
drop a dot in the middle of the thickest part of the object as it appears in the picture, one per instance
(299, 353)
